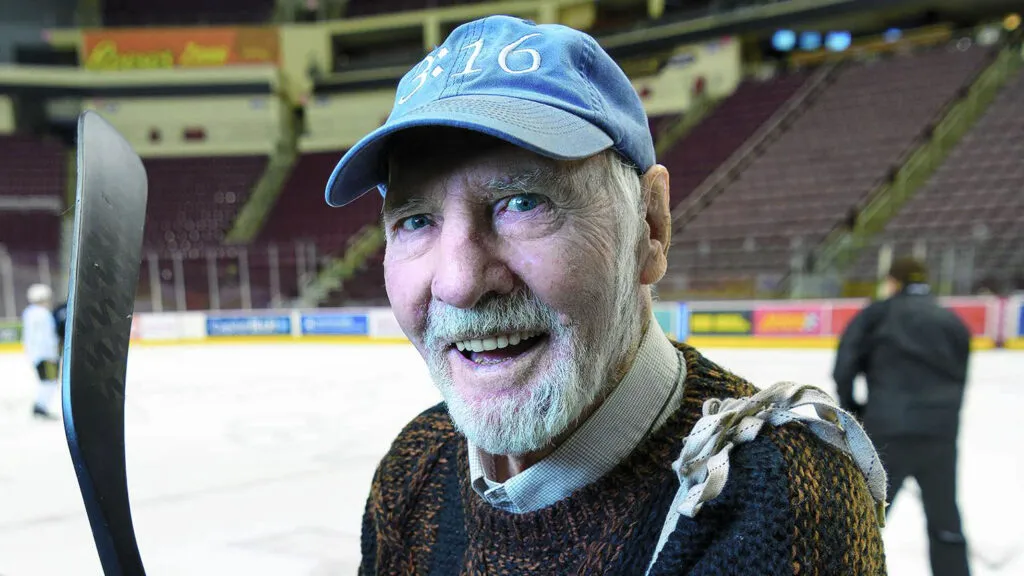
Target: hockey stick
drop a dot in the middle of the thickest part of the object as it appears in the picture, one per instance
(110, 210)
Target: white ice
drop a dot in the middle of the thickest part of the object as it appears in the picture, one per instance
(256, 459)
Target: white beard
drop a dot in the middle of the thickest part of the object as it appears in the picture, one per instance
(577, 376)
(508, 424)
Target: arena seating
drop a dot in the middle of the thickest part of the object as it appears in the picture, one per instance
(731, 123)
(367, 287)
(32, 167)
(26, 234)
(356, 8)
(186, 12)
(194, 201)
(973, 203)
(659, 124)
(301, 214)
(849, 138)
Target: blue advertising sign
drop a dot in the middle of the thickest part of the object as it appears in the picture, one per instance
(1020, 321)
(684, 323)
(336, 324)
(248, 325)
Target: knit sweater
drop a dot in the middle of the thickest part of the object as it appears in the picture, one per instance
(792, 505)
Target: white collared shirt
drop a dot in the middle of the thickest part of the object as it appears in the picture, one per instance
(647, 396)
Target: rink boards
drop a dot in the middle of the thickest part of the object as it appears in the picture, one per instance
(993, 322)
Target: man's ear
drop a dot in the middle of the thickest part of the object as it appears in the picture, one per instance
(654, 263)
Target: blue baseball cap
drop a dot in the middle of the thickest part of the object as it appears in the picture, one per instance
(547, 88)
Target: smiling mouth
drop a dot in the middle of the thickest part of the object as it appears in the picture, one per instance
(499, 348)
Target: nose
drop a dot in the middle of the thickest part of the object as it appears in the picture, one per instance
(468, 266)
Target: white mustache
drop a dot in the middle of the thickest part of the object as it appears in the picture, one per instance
(518, 312)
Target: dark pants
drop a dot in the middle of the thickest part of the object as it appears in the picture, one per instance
(932, 463)
(46, 370)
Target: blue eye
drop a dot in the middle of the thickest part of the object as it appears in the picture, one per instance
(523, 202)
(413, 223)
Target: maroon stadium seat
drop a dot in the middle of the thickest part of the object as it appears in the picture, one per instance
(845, 143)
(973, 204)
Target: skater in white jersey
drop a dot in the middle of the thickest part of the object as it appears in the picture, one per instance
(39, 338)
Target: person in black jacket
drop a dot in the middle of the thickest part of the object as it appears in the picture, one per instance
(60, 317)
(914, 355)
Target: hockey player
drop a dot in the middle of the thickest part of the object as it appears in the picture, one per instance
(39, 338)
(60, 316)
(914, 355)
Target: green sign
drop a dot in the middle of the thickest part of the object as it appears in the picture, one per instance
(10, 332)
(664, 318)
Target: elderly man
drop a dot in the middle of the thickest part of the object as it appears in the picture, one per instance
(526, 220)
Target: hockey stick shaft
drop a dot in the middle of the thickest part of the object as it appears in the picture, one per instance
(110, 206)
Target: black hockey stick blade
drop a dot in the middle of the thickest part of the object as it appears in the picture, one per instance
(110, 211)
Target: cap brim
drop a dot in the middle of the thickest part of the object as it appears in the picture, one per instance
(540, 128)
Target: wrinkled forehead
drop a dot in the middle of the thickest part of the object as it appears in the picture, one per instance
(424, 159)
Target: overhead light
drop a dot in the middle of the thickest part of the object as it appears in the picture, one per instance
(1011, 22)
(810, 41)
(784, 40)
(838, 41)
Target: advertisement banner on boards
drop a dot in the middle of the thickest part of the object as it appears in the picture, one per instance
(158, 327)
(1020, 320)
(666, 322)
(248, 325)
(842, 314)
(975, 316)
(667, 314)
(684, 323)
(789, 321)
(335, 324)
(166, 48)
(721, 322)
(384, 325)
(136, 331)
(10, 333)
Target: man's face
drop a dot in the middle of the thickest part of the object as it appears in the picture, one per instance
(509, 274)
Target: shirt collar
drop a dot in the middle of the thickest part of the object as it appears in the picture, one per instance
(637, 406)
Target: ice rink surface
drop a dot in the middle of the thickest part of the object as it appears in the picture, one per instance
(256, 459)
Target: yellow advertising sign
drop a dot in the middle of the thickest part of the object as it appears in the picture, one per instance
(108, 50)
(720, 322)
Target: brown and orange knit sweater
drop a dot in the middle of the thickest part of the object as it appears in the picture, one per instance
(792, 505)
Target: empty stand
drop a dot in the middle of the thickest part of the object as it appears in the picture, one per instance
(970, 214)
(845, 143)
(301, 213)
(194, 201)
(660, 124)
(186, 12)
(356, 8)
(29, 232)
(365, 288)
(32, 167)
(725, 129)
